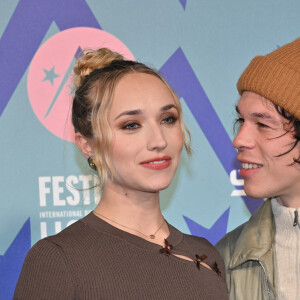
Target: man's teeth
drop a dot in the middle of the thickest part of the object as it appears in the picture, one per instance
(157, 162)
(250, 166)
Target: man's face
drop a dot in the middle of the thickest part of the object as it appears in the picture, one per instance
(263, 135)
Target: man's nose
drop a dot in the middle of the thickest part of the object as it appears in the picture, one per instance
(244, 138)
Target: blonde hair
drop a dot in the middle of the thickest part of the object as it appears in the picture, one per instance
(95, 77)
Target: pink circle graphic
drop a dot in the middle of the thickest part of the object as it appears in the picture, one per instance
(50, 83)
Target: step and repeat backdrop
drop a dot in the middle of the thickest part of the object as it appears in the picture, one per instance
(200, 46)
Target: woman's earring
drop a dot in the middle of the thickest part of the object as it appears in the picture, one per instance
(92, 163)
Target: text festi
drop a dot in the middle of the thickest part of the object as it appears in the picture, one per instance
(64, 200)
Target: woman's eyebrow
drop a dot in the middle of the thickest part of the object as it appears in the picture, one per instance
(139, 111)
(167, 107)
(129, 113)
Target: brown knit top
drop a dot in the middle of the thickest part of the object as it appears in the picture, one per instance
(92, 259)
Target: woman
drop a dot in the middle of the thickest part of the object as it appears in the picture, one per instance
(128, 124)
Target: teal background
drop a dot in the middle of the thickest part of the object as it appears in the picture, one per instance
(218, 38)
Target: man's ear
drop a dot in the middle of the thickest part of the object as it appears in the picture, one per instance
(83, 144)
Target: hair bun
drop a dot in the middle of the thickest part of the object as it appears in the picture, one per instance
(92, 60)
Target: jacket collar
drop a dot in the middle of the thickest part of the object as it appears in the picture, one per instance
(256, 237)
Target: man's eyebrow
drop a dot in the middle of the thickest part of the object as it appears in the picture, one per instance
(129, 113)
(261, 115)
(265, 116)
(258, 115)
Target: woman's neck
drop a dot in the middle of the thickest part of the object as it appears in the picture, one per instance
(133, 211)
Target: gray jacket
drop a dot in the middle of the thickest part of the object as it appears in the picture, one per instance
(249, 257)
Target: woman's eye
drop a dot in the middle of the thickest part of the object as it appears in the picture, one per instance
(169, 120)
(131, 126)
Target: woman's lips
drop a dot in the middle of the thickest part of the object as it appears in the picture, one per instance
(158, 163)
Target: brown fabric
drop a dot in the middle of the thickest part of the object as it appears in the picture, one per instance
(276, 76)
(93, 260)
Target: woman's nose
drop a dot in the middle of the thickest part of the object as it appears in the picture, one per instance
(157, 139)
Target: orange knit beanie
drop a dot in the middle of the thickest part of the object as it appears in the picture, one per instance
(276, 76)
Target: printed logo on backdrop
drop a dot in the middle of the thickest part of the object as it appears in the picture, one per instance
(50, 91)
(50, 86)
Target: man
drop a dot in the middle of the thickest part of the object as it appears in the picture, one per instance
(262, 256)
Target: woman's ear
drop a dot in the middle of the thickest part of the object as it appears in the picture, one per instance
(83, 144)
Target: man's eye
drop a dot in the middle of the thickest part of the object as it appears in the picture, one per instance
(261, 125)
(239, 120)
(238, 124)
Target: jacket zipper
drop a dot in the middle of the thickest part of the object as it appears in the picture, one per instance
(266, 278)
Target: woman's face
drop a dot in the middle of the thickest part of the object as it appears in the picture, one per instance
(147, 137)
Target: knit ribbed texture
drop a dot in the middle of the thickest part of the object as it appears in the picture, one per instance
(91, 259)
(287, 246)
(276, 76)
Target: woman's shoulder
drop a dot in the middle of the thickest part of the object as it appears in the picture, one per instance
(44, 266)
(196, 244)
(75, 233)
(57, 245)
(201, 249)
(52, 246)
(197, 241)
(201, 244)
(42, 253)
(50, 263)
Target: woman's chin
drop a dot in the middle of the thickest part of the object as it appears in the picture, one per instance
(160, 187)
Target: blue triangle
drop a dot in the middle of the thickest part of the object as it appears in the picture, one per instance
(213, 234)
(183, 3)
(11, 262)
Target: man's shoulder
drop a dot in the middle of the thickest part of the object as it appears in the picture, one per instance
(228, 242)
(261, 221)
